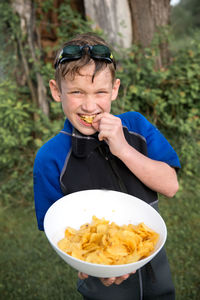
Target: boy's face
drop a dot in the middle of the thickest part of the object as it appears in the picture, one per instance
(81, 97)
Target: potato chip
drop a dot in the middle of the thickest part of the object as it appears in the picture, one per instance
(102, 242)
(88, 119)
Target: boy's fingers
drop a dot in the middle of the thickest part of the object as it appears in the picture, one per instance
(115, 280)
(120, 279)
(108, 281)
(95, 125)
(101, 136)
(98, 117)
(82, 275)
(96, 121)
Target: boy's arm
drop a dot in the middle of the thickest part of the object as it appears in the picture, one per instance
(46, 188)
(157, 175)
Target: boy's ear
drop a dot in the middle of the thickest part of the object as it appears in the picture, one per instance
(55, 92)
(115, 89)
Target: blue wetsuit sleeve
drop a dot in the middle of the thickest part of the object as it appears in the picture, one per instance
(157, 146)
(46, 187)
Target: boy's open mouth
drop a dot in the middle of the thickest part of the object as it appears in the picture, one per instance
(88, 119)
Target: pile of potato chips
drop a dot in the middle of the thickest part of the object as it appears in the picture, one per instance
(102, 242)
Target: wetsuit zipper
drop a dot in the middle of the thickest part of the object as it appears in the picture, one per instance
(114, 169)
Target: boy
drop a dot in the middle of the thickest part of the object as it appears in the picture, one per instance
(97, 150)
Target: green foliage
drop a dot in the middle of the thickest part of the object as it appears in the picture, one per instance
(9, 28)
(185, 23)
(71, 22)
(23, 129)
(14, 134)
(185, 16)
(15, 137)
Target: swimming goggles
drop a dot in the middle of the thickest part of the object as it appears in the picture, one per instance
(74, 52)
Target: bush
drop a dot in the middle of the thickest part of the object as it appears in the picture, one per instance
(23, 129)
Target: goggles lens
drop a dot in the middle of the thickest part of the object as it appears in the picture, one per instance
(71, 50)
(74, 52)
(101, 50)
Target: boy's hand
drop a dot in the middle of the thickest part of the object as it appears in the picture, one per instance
(108, 281)
(111, 130)
(115, 280)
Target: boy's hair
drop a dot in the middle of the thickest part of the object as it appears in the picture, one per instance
(72, 68)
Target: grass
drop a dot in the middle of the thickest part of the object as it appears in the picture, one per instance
(30, 269)
(181, 215)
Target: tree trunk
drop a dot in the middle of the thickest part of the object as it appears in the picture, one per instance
(147, 18)
(114, 17)
(26, 11)
(131, 21)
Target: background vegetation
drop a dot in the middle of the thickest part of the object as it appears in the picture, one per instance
(168, 97)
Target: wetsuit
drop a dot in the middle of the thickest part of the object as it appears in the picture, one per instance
(73, 162)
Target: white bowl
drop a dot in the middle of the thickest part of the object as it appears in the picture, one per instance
(78, 208)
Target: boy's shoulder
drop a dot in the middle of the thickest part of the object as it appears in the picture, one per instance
(54, 149)
(53, 145)
(135, 122)
(131, 115)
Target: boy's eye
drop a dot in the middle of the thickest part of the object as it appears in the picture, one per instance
(75, 92)
(101, 92)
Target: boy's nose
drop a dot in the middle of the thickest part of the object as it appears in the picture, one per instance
(89, 104)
